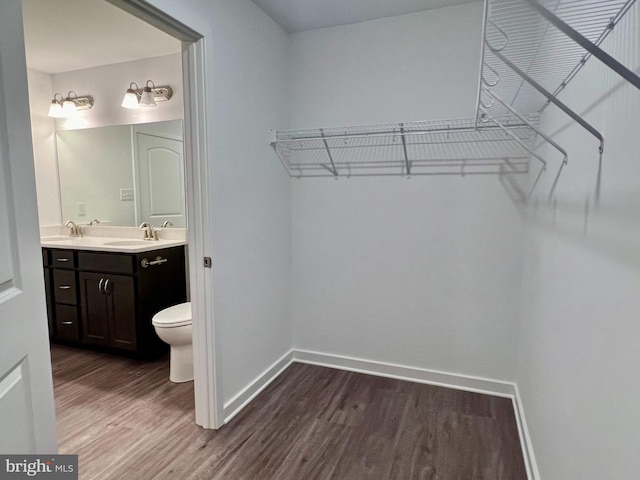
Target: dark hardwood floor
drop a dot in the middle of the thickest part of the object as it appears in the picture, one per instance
(126, 420)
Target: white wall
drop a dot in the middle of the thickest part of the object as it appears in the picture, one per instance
(247, 75)
(421, 66)
(578, 349)
(44, 148)
(422, 272)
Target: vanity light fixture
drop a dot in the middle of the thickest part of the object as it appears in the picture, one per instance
(55, 109)
(69, 106)
(147, 100)
(130, 99)
(147, 96)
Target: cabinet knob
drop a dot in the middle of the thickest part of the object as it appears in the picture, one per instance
(64, 287)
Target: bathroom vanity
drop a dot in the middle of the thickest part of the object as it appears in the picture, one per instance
(103, 293)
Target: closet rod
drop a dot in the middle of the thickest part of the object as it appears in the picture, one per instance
(596, 51)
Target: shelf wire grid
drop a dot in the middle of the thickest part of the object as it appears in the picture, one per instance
(538, 48)
(411, 148)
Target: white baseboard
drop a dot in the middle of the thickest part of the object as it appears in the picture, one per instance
(400, 372)
(242, 399)
(525, 438)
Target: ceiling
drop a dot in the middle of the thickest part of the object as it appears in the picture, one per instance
(301, 15)
(66, 35)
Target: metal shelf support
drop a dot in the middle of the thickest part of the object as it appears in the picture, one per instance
(516, 139)
(404, 148)
(587, 126)
(562, 151)
(326, 145)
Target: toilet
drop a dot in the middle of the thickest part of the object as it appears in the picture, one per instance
(173, 326)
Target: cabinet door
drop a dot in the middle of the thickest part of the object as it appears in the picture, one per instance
(121, 301)
(95, 311)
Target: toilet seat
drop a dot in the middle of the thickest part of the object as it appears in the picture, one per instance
(176, 316)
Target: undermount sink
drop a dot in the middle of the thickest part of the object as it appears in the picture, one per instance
(127, 243)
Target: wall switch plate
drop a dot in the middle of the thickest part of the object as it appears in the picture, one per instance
(126, 194)
(82, 209)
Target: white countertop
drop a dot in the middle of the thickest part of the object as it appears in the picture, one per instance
(111, 239)
(107, 244)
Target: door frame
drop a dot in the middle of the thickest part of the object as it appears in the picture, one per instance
(207, 371)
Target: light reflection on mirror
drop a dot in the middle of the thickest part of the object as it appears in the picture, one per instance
(123, 175)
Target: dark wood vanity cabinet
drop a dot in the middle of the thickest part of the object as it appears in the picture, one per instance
(107, 300)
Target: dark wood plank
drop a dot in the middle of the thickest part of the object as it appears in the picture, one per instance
(318, 453)
(373, 444)
(126, 420)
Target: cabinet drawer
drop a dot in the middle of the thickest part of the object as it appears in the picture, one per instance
(62, 259)
(64, 287)
(67, 322)
(106, 262)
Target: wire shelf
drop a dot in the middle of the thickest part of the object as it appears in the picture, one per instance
(411, 148)
(516, 31)
(531, 50)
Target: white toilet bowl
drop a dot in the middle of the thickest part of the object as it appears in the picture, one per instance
(173, 326)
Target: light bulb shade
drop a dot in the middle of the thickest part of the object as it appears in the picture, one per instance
(147, 99)
(69, 108)
(130, 100)
(55, 110)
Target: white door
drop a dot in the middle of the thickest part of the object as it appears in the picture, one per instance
(160, 170)
(27, 418)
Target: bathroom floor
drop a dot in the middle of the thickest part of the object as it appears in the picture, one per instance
(126, 420)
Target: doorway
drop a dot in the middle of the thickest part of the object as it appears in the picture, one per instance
(208, 399)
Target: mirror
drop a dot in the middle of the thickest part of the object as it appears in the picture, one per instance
(123, 175)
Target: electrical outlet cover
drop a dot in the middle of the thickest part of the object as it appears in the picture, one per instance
(126, 194)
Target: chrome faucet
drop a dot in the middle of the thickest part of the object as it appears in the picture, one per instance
(74, 230)
(149, 232)
(167, 224)
(95, 221)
